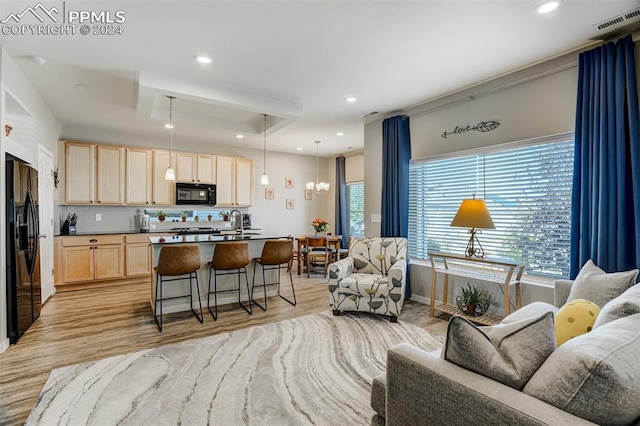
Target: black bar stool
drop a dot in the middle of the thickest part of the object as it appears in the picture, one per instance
(180, 261)
(228, 258)
(276, 254)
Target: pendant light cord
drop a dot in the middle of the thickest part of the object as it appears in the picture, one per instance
(317, 163)
(264, 154)
(171, 98)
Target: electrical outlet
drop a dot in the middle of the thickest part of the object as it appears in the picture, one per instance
(376, 218)
(98, 217)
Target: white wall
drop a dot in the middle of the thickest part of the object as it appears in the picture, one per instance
(34, 126)
(372, 176)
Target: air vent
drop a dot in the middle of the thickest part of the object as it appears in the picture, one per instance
(617, 25)
(370, 114)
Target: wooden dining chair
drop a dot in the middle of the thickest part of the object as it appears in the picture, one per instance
(317, 252)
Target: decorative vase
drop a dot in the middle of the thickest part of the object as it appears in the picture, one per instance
(319, 234)
(161, 218)
(209, 217)
(184, 218)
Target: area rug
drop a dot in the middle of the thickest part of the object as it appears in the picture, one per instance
(315, 369)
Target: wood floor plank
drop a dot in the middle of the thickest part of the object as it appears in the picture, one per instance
(90, 324)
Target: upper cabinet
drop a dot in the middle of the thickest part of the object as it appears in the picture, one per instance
(94, 174)
(197, 168)
(117, 175)
(234, 177)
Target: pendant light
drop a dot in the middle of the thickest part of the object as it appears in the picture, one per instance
(170, 174)
(264, 180)
(320, 187)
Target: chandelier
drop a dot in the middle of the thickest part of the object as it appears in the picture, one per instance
(319, 187)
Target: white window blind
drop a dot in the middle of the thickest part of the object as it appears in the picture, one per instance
(355, 198)
(528, 193)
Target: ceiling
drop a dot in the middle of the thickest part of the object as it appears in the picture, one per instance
(295, 61)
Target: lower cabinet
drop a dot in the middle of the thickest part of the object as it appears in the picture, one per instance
(137, 255)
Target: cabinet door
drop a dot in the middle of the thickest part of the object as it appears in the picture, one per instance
(80, 173)
(163, 191)
(225, 181)
(244, 181)
(138, 181)
(77, 264)
(138, 259)
(206, 169)
(185, 167)
(110, 175)
(108, 261)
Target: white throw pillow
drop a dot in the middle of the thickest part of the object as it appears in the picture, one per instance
(507, 353)
(595, 285)
(628, 303)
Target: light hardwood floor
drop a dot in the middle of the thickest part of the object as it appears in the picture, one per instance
(85, 325)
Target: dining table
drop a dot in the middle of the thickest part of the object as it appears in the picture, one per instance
(334, 241)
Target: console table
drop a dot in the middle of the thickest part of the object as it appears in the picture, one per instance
(504, 272)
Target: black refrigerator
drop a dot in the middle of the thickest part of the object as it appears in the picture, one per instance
(23, 251)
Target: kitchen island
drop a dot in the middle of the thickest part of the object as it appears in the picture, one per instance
(207, 244)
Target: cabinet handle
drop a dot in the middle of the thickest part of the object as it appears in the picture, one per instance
(91, 201)
(93, 240)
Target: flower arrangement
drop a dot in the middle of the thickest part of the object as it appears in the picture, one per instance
(320, 225)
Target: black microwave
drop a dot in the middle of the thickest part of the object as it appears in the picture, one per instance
(195, 193)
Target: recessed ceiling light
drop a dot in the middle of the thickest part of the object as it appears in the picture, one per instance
(202, 59)
(299, 148)
(239, 136)
(168, 126)
(351, 99)
(548, 6)
(340, 134)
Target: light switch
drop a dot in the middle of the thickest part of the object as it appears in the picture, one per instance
(98, 217)
(376, 218)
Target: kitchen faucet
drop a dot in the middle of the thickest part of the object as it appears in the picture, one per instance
(236, 221)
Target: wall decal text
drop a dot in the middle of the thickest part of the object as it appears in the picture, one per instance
(483, 126)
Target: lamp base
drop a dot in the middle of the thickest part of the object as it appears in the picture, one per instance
(472, 250)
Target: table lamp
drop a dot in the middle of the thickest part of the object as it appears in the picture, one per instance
(473, 214)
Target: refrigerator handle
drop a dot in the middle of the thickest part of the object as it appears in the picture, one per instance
(32, 233)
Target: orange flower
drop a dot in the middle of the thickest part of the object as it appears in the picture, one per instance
(320, 225)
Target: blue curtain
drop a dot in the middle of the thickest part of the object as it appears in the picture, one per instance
(396, 154)
(605, 211)
(342, 215)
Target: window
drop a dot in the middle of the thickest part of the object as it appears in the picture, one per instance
(528, 193)
(355, 200)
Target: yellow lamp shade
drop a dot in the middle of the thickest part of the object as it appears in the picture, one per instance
(473, 214)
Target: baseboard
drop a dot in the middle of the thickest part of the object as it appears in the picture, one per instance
(4, 345)
(420, 299)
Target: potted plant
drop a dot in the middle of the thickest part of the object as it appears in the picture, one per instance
(473, 301)
(161, 216)
(320, 226)
(183, 216)
(224, 214)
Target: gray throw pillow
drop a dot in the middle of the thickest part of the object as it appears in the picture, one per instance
(595, 376)
(628, 303)
(507, 353)
(595, 285)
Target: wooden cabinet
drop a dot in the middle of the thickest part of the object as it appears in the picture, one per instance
(197, 168)
(138, 176)
(234, 181)
(110, 174)
(137, 256)
(163, 191)
(94, 174)
(91, 258)
(80, 161)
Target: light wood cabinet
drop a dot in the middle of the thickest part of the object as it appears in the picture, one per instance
(91, 258)
(110, 174)
(234, 181)
(137, 256)
(197, 168)
(138, 176)
(80, 161)
(163, 191)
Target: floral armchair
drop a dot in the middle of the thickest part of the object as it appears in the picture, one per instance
(371, 279)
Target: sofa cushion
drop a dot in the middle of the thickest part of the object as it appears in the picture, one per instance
(378, 398)
(508, 353)
(534, 309)
(368, 285)
(574, 319)
(595, 376)
(628, 303)
(595, 285)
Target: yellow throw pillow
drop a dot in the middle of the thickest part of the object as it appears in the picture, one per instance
(574, 319)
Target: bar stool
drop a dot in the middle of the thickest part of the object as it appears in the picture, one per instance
(230, 258)
(276, 255)
(177, 261)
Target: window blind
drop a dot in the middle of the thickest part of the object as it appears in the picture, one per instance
(527, 190)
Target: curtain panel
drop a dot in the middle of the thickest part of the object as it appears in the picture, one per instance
(605, 222)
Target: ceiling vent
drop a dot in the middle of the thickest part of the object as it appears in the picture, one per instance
(370, 114)
(624, 23)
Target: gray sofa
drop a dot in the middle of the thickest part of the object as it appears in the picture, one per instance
(420, 388)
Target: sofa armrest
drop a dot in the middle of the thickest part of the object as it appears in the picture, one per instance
(340, 269)
(426, 390)
(561, 292)
(397, 274)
